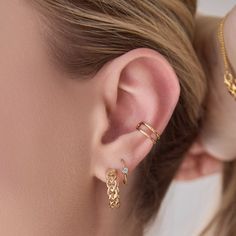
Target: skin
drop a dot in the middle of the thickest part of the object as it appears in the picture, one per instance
(216, 142)
(40, 137)
(53, 157)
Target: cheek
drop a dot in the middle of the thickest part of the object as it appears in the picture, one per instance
(41, 136)
(35, 123)
(43, 143)
(35, 120)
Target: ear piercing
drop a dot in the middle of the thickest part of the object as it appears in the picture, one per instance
(125, 172)
(113, 190)
(112, 184)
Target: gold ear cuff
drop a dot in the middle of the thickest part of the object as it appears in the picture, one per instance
(147, 130)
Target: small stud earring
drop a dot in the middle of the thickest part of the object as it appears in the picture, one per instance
(125, 171)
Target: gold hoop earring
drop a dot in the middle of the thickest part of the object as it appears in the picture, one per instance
(154, 136)
(113, 191)
(124, 171)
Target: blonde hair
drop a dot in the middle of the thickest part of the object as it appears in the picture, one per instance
(83, 35)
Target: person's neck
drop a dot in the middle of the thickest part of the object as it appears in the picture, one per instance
(223, 115)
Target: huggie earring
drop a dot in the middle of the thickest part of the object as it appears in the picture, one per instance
(113, 191)
(154, 136)
(125, 171)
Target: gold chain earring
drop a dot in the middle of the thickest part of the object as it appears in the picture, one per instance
(229, 80)
(113, 190)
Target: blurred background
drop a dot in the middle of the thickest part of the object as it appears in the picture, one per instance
(216, 7)
(189, 205)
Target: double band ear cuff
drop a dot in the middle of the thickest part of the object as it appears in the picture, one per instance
(147, 130)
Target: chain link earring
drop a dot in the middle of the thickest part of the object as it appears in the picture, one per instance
(113, 190)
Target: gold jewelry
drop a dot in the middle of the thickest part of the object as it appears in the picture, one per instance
(229, 79)
(154, 136)
(125, 171)
(113, 191)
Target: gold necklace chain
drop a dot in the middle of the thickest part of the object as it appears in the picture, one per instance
(229, 79)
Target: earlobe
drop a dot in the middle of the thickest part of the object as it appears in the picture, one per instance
(198, 162)
(138, 86)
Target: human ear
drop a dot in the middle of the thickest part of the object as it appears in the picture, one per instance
(198, 162)
(139, 85)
